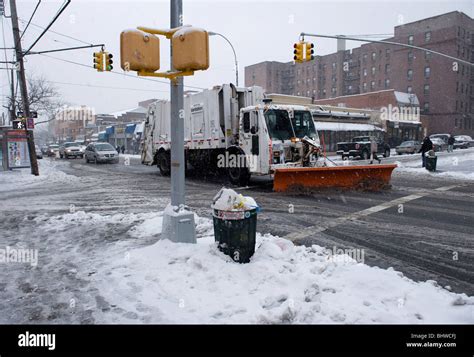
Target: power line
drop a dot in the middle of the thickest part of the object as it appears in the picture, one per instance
(31, 18)
(118, 73)
(58, 33)
(60, 11)
(108, 87)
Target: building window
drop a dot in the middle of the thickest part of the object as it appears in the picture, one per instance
(372, 85)
(427, 72)
(409, 89)
(307, 93)
(365, 72)
(364, 86)
(426, 89)
(333, 90)
(387, 52)
(410, 56)
(426, 107)
(427, 55)
(410, 39)
(456, 122)
(374, 55)
(387, 83)
(387, 68)
(350, 88)
(364, 57)
(334, 66)
(372, 70)
(410, 74)
(428, 36)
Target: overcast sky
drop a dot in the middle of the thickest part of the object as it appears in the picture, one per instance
(259, 31)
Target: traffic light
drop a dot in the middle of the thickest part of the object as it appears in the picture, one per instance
(298, 52)
(108, 61)
(99, 61)
(190, 49)
(309, 51)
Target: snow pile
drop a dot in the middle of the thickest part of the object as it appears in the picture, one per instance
(196, 283)
(229, 200)
(13, 180)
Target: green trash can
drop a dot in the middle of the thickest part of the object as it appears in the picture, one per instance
(430, 163)
(235, 232)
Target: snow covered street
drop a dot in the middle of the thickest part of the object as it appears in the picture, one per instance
(100, 260)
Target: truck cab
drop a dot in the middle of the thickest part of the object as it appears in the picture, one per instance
(272, 136)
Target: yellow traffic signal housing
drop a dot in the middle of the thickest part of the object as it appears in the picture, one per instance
(139, 51)
(99, 61)
(190, 49)
(108, 61)
(309, 51)
(298, 52)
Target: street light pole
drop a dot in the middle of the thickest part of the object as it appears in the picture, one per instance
(178, 221)
(342, 37)
(235, 55)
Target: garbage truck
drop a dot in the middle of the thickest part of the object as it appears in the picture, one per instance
(234, 131)
(239, 132)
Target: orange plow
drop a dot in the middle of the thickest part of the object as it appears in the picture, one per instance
(365, 177)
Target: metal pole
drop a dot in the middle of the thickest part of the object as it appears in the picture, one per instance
(23, 87)
(177, 123)
(178, 220)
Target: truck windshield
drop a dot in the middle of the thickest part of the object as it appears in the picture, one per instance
(280, 127)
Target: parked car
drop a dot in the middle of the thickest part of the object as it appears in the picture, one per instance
(101, 152)
(70, 149)
(439, 144)
(44, 149)
(361, 146)
(460, 144)
(408, 147)
(53, 150)
(465, 138)
(443, 137)
(39, 153)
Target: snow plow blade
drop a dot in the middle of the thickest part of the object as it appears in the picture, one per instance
(365, 177)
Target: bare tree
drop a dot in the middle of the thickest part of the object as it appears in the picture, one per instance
(43, 97)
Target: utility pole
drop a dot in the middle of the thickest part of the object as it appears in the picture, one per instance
(178, 221)
(12, 104)
(23, 87)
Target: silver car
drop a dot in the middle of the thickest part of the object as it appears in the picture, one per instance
(408, 147)
(70, 149)
(101, 152)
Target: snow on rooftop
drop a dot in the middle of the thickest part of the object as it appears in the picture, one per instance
(332, 126)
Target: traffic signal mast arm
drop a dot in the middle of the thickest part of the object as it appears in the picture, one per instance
(342, 37)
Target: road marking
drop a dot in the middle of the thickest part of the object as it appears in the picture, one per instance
(309, 231)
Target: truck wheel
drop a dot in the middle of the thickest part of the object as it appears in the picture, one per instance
(238, 175)
(164, 163)
(365, 155)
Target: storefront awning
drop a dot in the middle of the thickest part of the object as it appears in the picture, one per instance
(130, 128)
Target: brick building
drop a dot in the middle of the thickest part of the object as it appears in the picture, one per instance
(444, 88)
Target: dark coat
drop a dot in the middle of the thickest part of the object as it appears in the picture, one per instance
(426, 146)
(451, 140)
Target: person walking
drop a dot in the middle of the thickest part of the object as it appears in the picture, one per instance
(451, 141)
(425, 147)
(123, 149)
